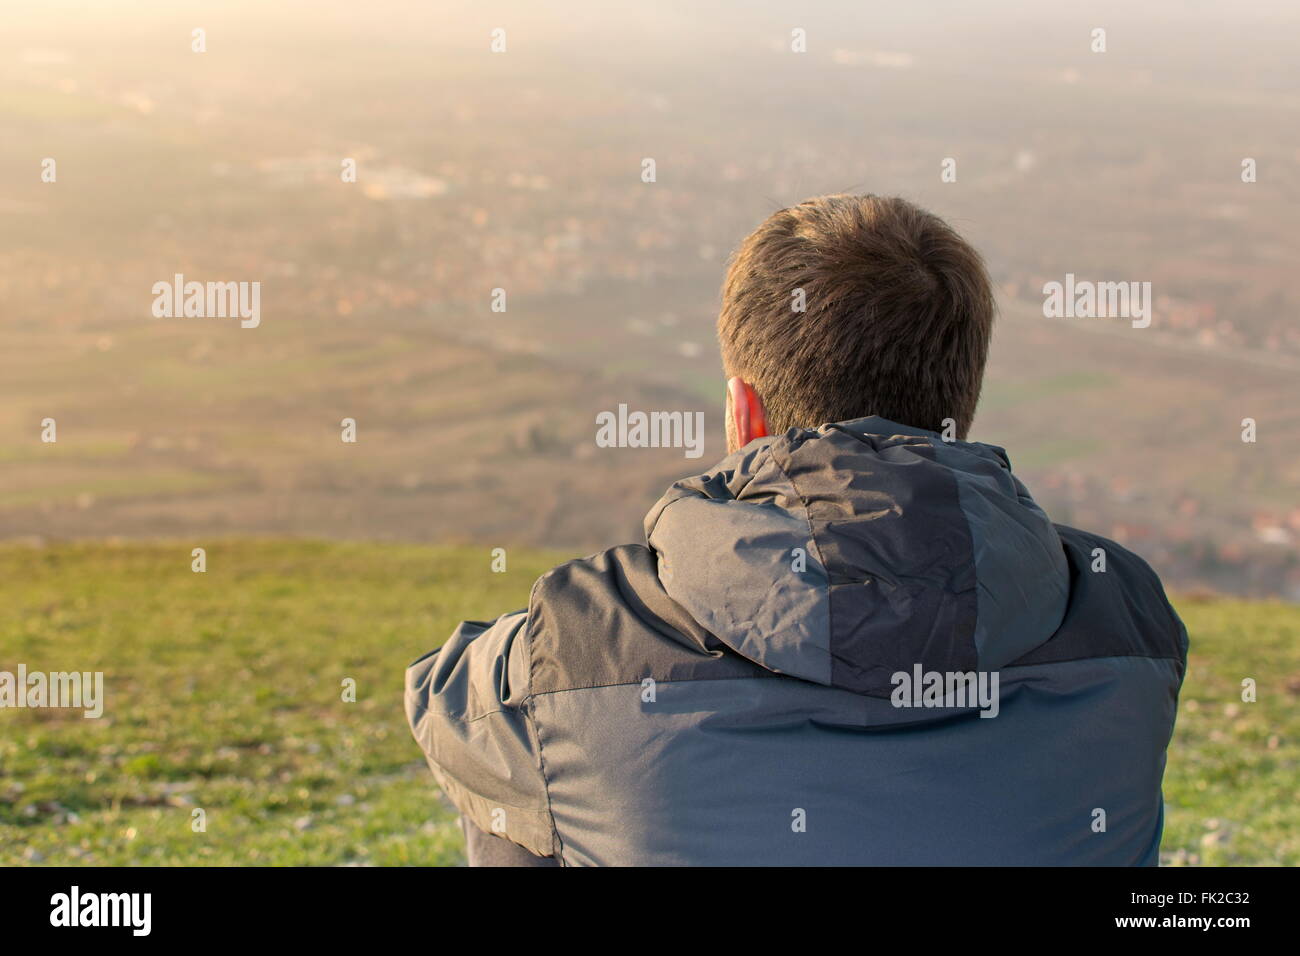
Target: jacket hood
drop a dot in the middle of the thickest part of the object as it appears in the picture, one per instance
(845, 554)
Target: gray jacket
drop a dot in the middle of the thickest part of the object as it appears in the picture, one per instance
(858, 644)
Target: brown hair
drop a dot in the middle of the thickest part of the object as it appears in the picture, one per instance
(899, 312)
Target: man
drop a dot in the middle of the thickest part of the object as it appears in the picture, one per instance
(855, 640)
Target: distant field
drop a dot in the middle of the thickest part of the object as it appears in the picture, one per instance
(186, 431)
(224, 693)
(179, 431)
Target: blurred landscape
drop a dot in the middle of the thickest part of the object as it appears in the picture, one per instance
(522, 171)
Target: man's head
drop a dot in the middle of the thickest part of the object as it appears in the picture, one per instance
(847, 306)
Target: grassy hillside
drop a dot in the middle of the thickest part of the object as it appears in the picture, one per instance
(224, 693)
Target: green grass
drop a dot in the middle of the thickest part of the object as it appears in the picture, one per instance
(224, 693)
(1234, 769)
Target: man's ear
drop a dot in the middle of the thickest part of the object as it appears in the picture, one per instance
(748, 418)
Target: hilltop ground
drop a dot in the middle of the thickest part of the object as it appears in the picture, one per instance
(224, 692)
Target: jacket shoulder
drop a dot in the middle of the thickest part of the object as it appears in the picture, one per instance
(606, 619)
(1117, 607)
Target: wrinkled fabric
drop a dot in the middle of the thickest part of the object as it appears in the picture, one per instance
(724, 693)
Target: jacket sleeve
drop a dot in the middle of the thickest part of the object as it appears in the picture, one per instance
(467, 705)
